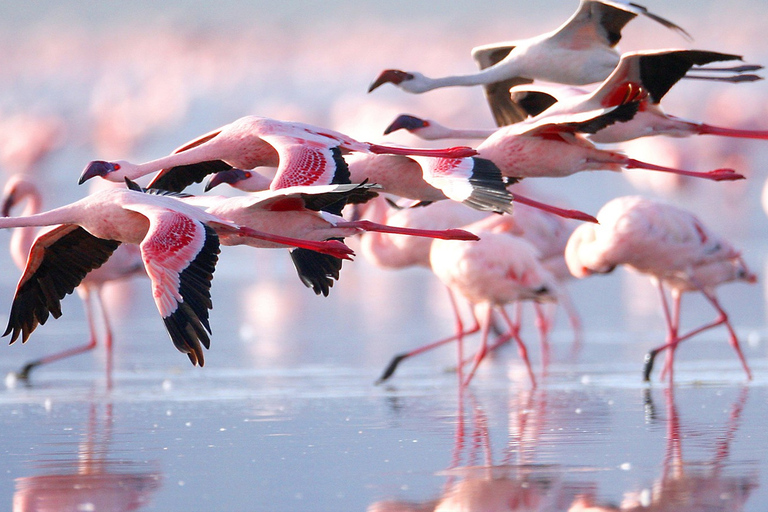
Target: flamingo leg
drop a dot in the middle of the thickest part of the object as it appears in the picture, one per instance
(544, 325)
(672, 334)
(522, 351)
(460, 332)
(445, 234)
(108, 339)
(560, 212)
(732, 338)
(483, 350)
(669, 362)
(504, 338)
(92, 342)
(715, 175)
(564, 299)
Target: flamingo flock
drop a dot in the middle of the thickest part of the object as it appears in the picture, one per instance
(456, 210)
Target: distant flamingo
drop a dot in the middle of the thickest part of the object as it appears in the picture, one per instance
(554, 146)
(124, 262)
(655, 71)
(673, 247)
(303, 154)
(179, 247)
(579, 52)
(495, 271)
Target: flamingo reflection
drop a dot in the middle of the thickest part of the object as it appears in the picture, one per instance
(686, 486)
(89, 479)
(516, 484)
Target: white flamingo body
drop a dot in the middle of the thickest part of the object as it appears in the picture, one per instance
(667, 243)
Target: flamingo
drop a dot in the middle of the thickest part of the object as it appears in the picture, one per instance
(498, 269)
(125, 262)
(303, 154)
(655, 71)
(554, 146)
(179, 246)
(297, 212)
(581, 51)
(674, 248)
(547, 233)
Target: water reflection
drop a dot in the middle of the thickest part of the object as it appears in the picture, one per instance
(88, 479)
(701, 486)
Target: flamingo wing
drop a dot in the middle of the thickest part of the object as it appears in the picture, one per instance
(307, 163)
(314, 197)
(180, 255)
(504, 109)
(58, 261)
(176, 179)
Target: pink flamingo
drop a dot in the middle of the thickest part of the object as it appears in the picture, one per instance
(579, 52)
(303, 154)
(125, 262)
(673, 247)
(498, 269)
(554, 146)
(655, 71)
(179, 246)
(296, 212)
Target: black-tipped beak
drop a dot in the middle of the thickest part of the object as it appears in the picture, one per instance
(407, 122)
(96, 168)
(394, 76)
(8, 202)
(230, 176)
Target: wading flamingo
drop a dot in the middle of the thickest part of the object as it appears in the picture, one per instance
(673, 247)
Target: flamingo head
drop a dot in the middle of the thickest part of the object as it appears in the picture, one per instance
(406, 122)
(16, 190)
(106, 170)
(394, 76)
(247, 181)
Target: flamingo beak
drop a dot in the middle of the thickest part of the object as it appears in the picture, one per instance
(230, 176)
(394, 76)
(96, 168)
(407, 122)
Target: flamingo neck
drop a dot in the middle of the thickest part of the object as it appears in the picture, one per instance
(63, 215)
(23, 237)
(190, 156)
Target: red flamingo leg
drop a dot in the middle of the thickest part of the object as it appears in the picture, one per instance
(544, 325)
(715, 175)
(452, 152)
(330, 247)
(522, 351)
(707, 129)
(670, 360)
(732, 338)
(460, 333)
(560, 212)
(445, 234)
(483, 350)
(107, 336)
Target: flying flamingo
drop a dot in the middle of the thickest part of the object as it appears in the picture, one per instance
(297, 212)
(655, 71)
(475, 182)
(179, 246)
(124, 262)
(555, 146)
(581, 51)
(673, 247)
(497, 270)
(303, 154)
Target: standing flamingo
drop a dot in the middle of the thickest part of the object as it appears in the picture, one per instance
(673, 247)
(179, 246)
(124, 263)
(303, 154)
(581, 51)
(498, 269)
(554, 146)
(655, 71)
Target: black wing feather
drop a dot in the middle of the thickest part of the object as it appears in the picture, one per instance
(62, 268)
(180, 177)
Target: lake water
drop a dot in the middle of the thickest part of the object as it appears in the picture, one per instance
(285, 415)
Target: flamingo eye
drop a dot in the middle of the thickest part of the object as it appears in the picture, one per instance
(248, 174)
(116, 166)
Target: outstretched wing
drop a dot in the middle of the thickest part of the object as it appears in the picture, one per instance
(504, 109)
(180, 256)
(58, 261)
